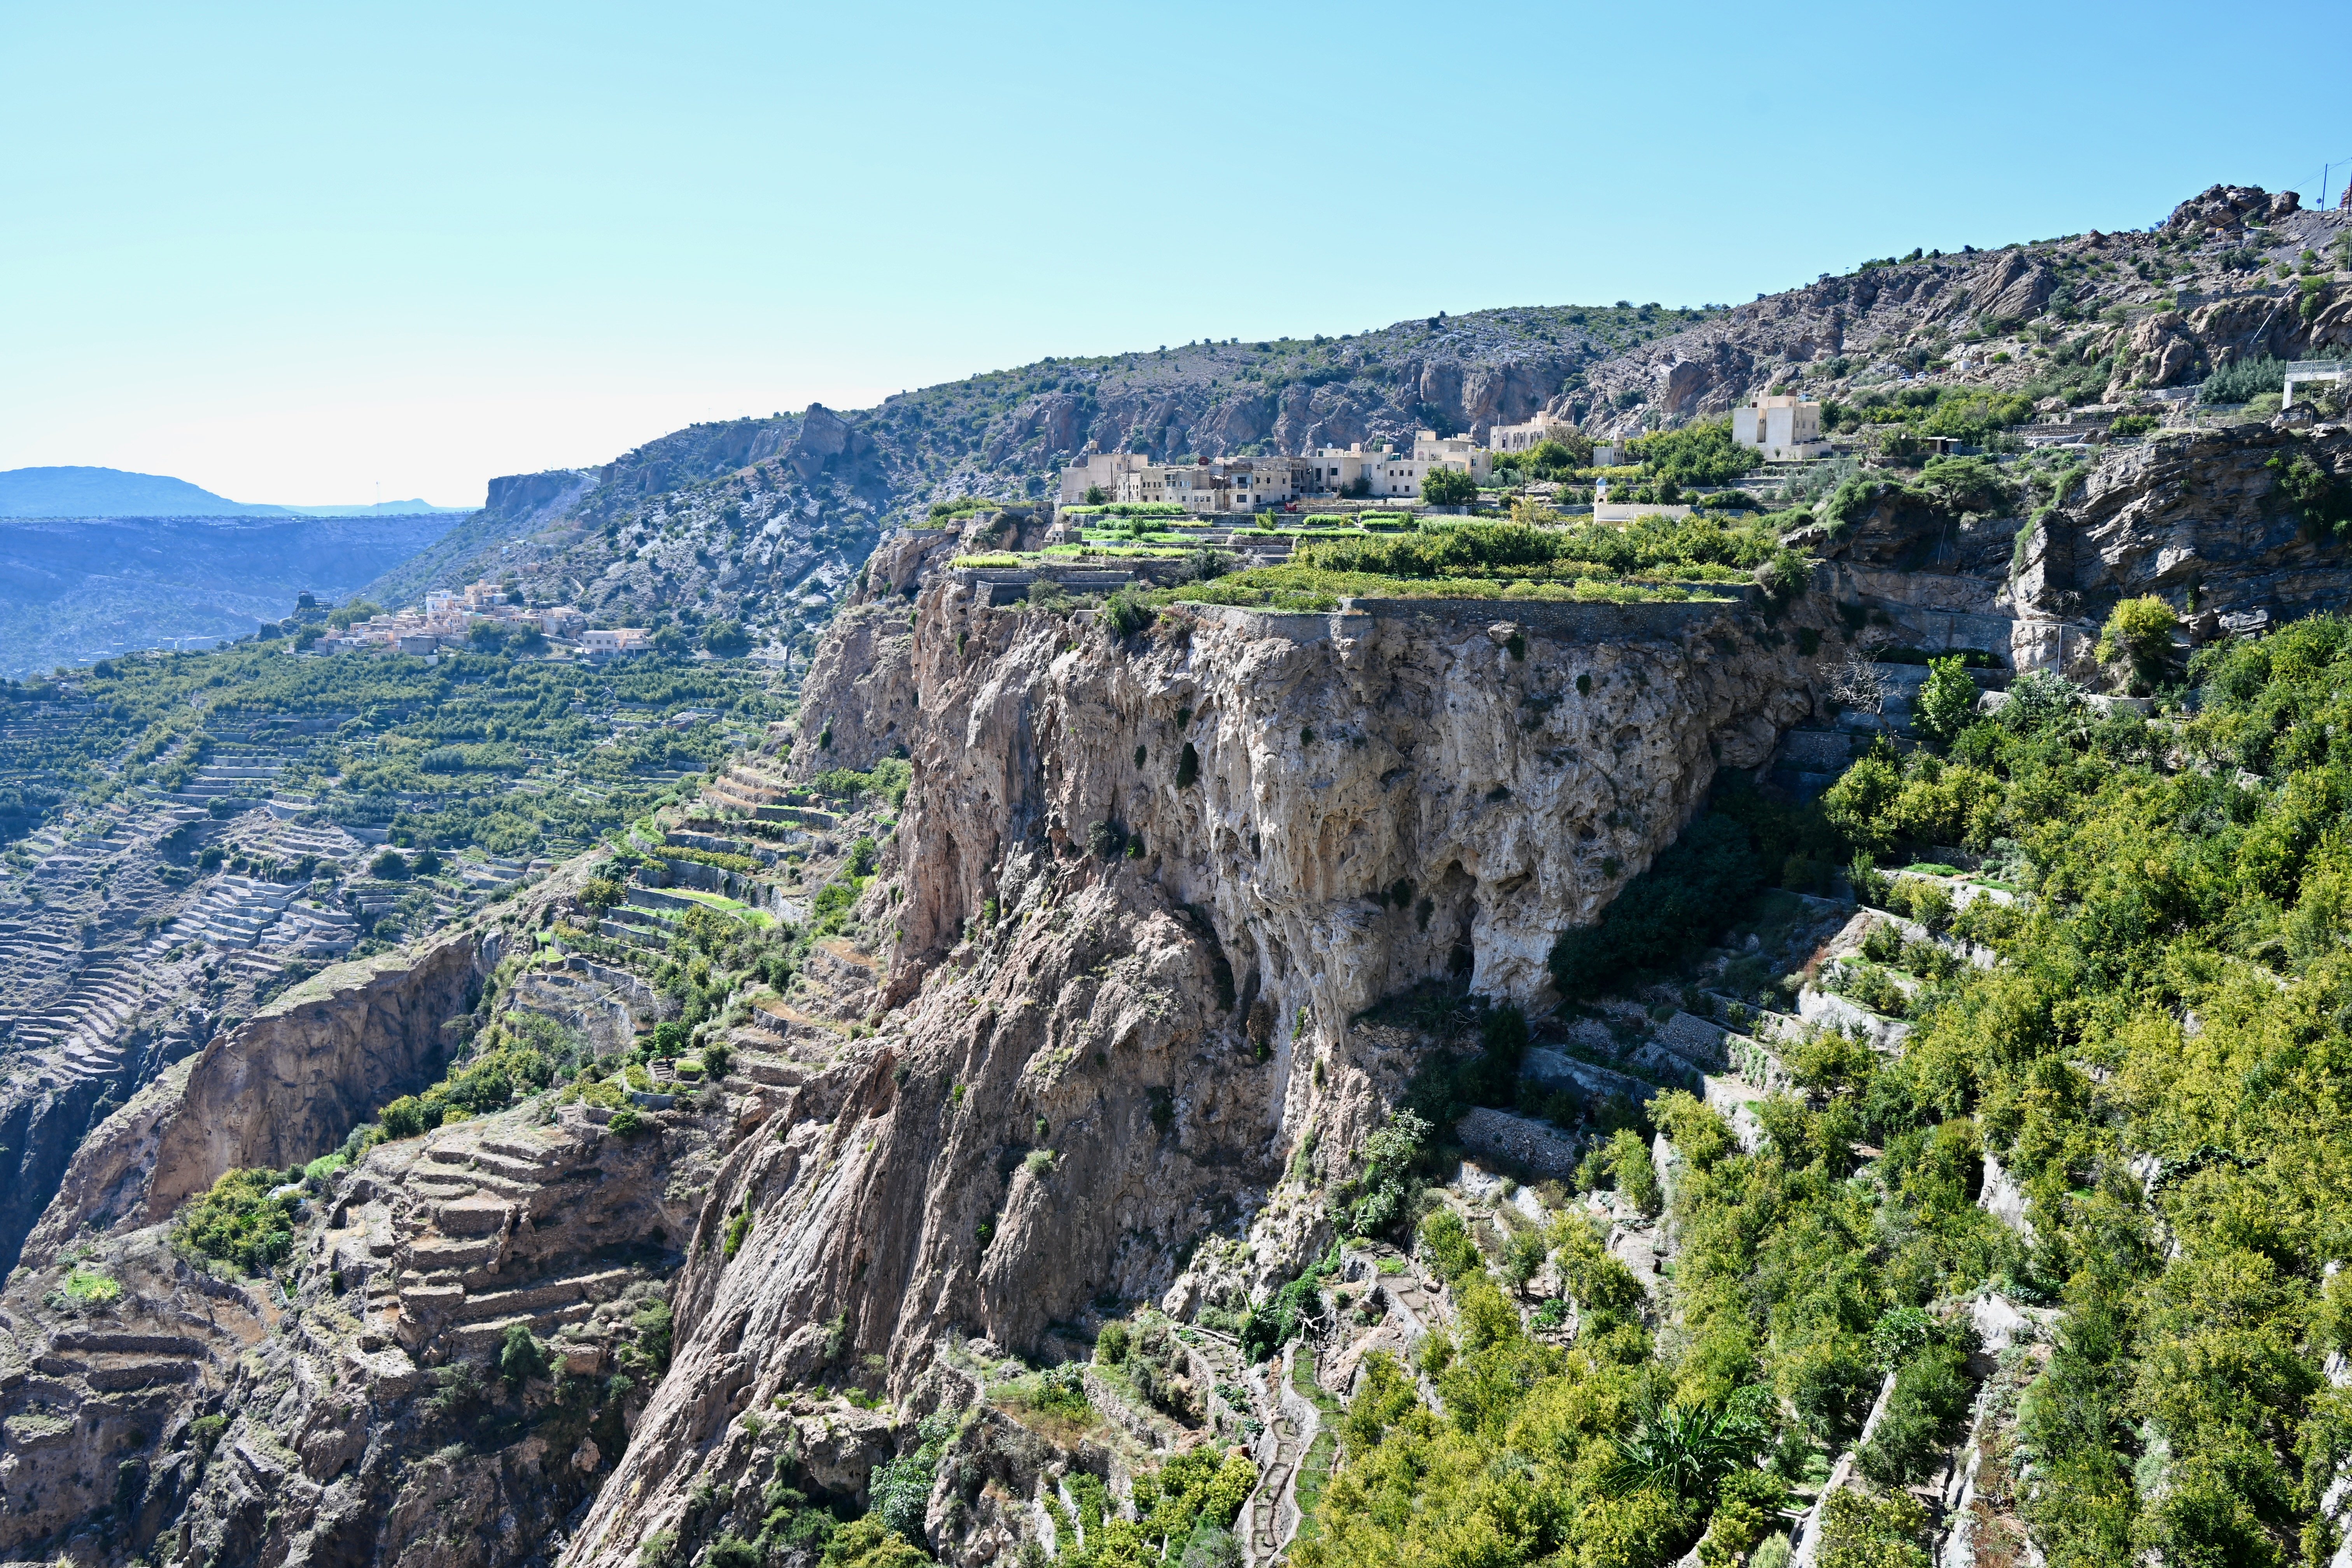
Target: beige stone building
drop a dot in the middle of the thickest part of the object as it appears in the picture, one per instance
(1105, 471)
(1432, 450)
(1253, 484)
(1785, 429)
(1533, 433)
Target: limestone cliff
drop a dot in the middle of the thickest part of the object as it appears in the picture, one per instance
(2206, 519)
(1142, 887)
(281, 1089)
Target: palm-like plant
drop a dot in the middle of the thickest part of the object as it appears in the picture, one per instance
(1685, 1449)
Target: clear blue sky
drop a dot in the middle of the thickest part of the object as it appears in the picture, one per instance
(289, 252)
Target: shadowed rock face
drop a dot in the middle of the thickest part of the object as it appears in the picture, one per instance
(2198, 519)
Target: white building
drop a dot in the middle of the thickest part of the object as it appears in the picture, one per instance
(1533, 433)
(1432, 450)
(619, 639)
(1785, 429)
(1392, 474)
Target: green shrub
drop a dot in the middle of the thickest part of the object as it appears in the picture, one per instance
(2241, 382)
(243, 1220)
(2312, 491)
(1448, 487)
(1862, 1531)
(520, 1357)
(1947, 702)
(1126, 613)
(2139, 632)
(92, 1288)
(1697, 454)
(886, 783)
(1275, 1322)
(1445, 1240)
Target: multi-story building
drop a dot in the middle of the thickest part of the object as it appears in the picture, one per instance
(1253, 484)
(1533, 433)
(1785, 429)
(1226, 484)
(1432, 450)
(618, 639)
(1105, 471)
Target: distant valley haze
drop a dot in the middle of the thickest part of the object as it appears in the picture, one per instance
(85, 493)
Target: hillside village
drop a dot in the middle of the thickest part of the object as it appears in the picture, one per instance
(453, 619)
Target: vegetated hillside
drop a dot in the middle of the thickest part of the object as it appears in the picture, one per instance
(113, 492)
(74, 591)
(1394, 1086)
(1959, 345)
(185, 837)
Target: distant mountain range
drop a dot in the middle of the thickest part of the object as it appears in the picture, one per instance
(80, 492)
(76, 589)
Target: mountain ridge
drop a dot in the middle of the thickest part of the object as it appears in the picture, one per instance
(82, 492)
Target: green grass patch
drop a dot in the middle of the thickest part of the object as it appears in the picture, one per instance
(92, 1288)
(1308, 588)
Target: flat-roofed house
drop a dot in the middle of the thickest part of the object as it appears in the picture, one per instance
(1105, 471)
(1533, 433)
(1785, 429)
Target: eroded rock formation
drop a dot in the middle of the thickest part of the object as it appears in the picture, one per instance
(1142, 887)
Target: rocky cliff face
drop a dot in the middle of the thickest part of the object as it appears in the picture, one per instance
(2166, 308)
(1360, 800)
(1140, 889)
(280, 1090)
(2210, 520)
